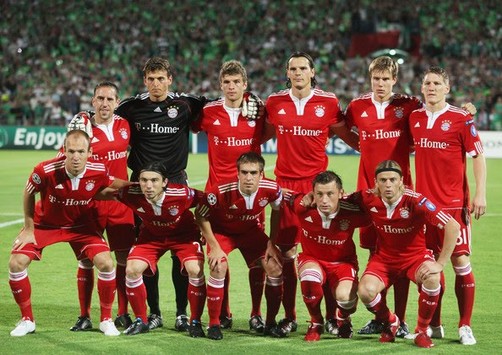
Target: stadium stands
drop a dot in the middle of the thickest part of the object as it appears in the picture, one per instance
(54, 52)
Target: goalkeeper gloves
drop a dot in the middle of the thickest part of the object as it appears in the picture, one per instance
(252, 106)
(82, 121)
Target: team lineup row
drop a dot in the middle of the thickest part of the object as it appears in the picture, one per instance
(301, 118)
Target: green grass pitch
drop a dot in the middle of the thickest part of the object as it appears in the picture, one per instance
(55, 303)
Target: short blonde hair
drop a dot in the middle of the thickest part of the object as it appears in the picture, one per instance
(384, 63)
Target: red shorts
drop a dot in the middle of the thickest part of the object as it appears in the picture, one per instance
(86, 243)
(388, 273)
(118, 221)
(332, 272)
(150, 250)
(434, 236)
(251, 244)
(289, 226)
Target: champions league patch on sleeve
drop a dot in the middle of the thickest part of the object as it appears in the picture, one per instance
(430, 206)
(36, 179)
(211, 199)
(474, 132)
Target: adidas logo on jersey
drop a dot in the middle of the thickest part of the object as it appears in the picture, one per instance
(94, 140)
(157, 109)
(417, 125)
(233, 207)
(59, 187)
(281, 112)
(217, 123)
(364, 114)
(140, 210)
(373, 209)
(309, 219)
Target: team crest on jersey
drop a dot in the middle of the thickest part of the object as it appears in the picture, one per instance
(172, 111)
(211, 199)
(344, 224)
(474, 132)
(36, 179)
(399, 112)
(445, 125)
(123, 133)
(263, 202)
(430, 206)
(174, 210)
(320, 111)
(404, 212)
(89, 186)
(251, 123)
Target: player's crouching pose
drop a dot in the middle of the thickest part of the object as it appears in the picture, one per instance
(66, 185)
(167, 224)
(328, 254)
(230, 213)
(399, 216)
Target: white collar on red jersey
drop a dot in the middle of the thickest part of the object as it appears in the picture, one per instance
(157, 206)
(326, 220)
(391, 207)
(248, 198)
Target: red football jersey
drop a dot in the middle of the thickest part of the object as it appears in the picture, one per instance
(66, 201)
(170, 217)
(230, 212)
(109, 145)
(442, 140)
(302, 128)
(383, 134)
(229, 135)
(400, 227)
(329, 238)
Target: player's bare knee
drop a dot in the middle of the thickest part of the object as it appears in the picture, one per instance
(273, 269)
(344, 295)
(194, 270)
(103, 262)
(367, 291)
(220, 271)
(18, 262)
(460, 260)
(432, 281)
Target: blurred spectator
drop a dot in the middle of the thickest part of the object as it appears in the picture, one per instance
(50, 48)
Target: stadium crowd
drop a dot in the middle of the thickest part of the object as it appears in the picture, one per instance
(54, 52)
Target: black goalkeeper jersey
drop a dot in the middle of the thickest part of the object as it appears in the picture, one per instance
(160, 130)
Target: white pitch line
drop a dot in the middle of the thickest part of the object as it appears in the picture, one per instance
(10, 223)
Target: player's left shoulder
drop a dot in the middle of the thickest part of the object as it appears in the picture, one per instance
(118, 118)
(326, 95)
(459, 117)
(173, 189)
(268, 184)
(410, 101)
(214, 105)
(95, 165)
(349, 204)
(190, 99)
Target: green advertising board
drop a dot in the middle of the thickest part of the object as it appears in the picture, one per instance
(38, 138)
